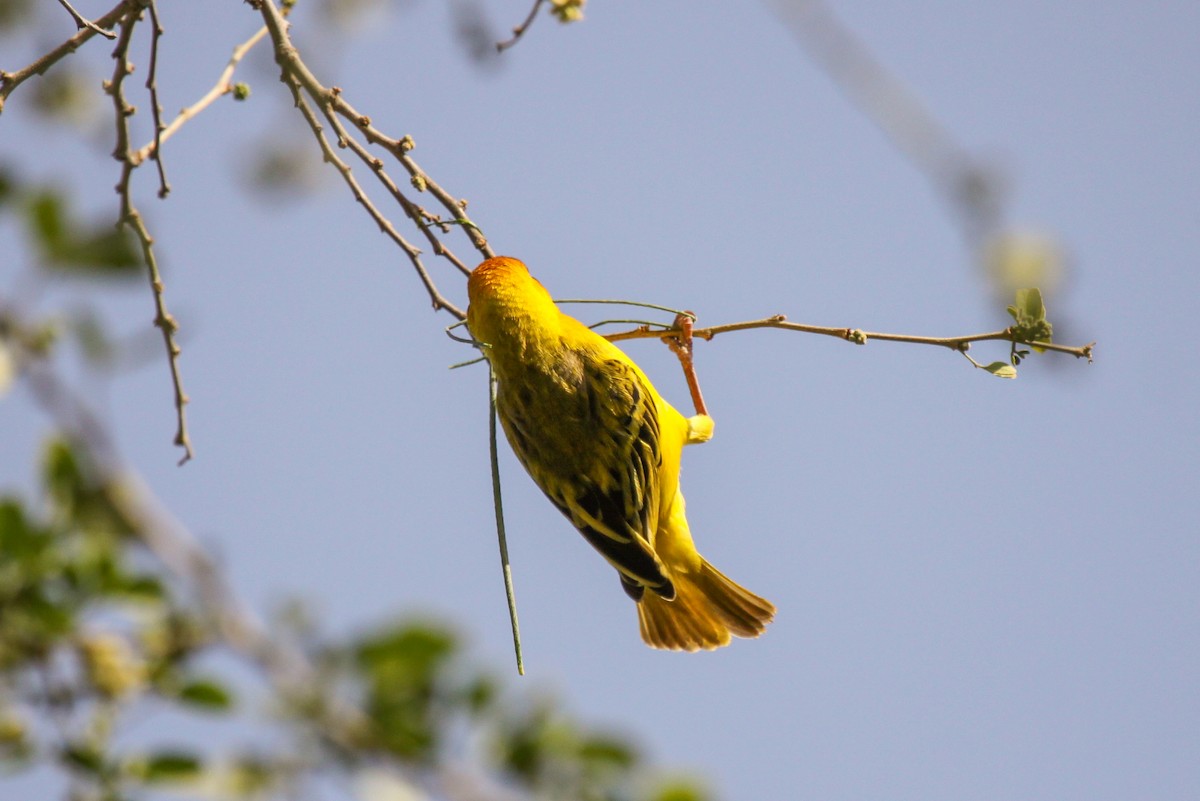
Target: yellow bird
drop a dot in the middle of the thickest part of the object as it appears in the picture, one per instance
(604, 446)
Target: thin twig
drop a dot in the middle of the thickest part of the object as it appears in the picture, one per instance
(129, 216)
(410, 250)
(11, 80)
(385, 225)
(156, 33)
(301, 80)
(855, 335)
(519, 31)
(82, 22)
(399, 148)
(500, 533)
(222, 87)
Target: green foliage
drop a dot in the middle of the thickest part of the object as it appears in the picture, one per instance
(399, 670)
(557, 758)
(92, 635)
(8, 183)
(206, 694)
(74, 248)
(679, 790)
(167, 766)
(1030, 325)
(1001, 369)
(1029, 314)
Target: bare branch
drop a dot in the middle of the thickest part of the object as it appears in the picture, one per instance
(519, 31)
(11, 80)
(164, 188)
(82, 22)
(855, 335)
(222, 87)
(301, 80)
(413, 252)
(129, 216)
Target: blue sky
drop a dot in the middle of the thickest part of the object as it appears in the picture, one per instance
(986, 589)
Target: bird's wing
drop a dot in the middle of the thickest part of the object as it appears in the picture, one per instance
(614, 500)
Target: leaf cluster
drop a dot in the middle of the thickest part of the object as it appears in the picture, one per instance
(96, 634)
(65, 244)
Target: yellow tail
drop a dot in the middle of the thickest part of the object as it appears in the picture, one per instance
(707, 609)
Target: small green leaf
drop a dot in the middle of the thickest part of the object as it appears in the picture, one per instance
(142, 588)
(206, 694)
(1001, 369)
(251, 775)
(413, 650)
(102, 251)
(170, 766)
(46, 220)
(480, 694)
(13, 529)
(1029, 314)
(71, 247)
(607, 750)
(1031, 305)
(84, 758)
(61, 473)
(679, 790)
(8, 183)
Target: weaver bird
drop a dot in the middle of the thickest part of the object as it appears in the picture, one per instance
(604, 446)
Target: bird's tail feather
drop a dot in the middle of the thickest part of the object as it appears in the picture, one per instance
(708, 608)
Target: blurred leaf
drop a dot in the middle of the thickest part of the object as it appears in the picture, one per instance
(285, 171)
(408, 654)
(480, 694)
(84, 758)
(8, 181)
(15, 745)
(7, 370)
(97, 347)
(112, 664)
(206, 694)
(144, 588)
(102, 251)
(379, 784)
(679, 790)
(608, 750)
(13, 530)
(1016, 259)
(46, 221)
(525, 748)
(61, 474)
(14, 13)
(400, 668)
(72, 248)
(251, 775)
(170, 766)
(66, 95)
(1001, 369)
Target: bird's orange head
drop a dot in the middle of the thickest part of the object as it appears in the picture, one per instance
(505, 297)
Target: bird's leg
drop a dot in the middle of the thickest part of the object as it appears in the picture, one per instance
(700, 427)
